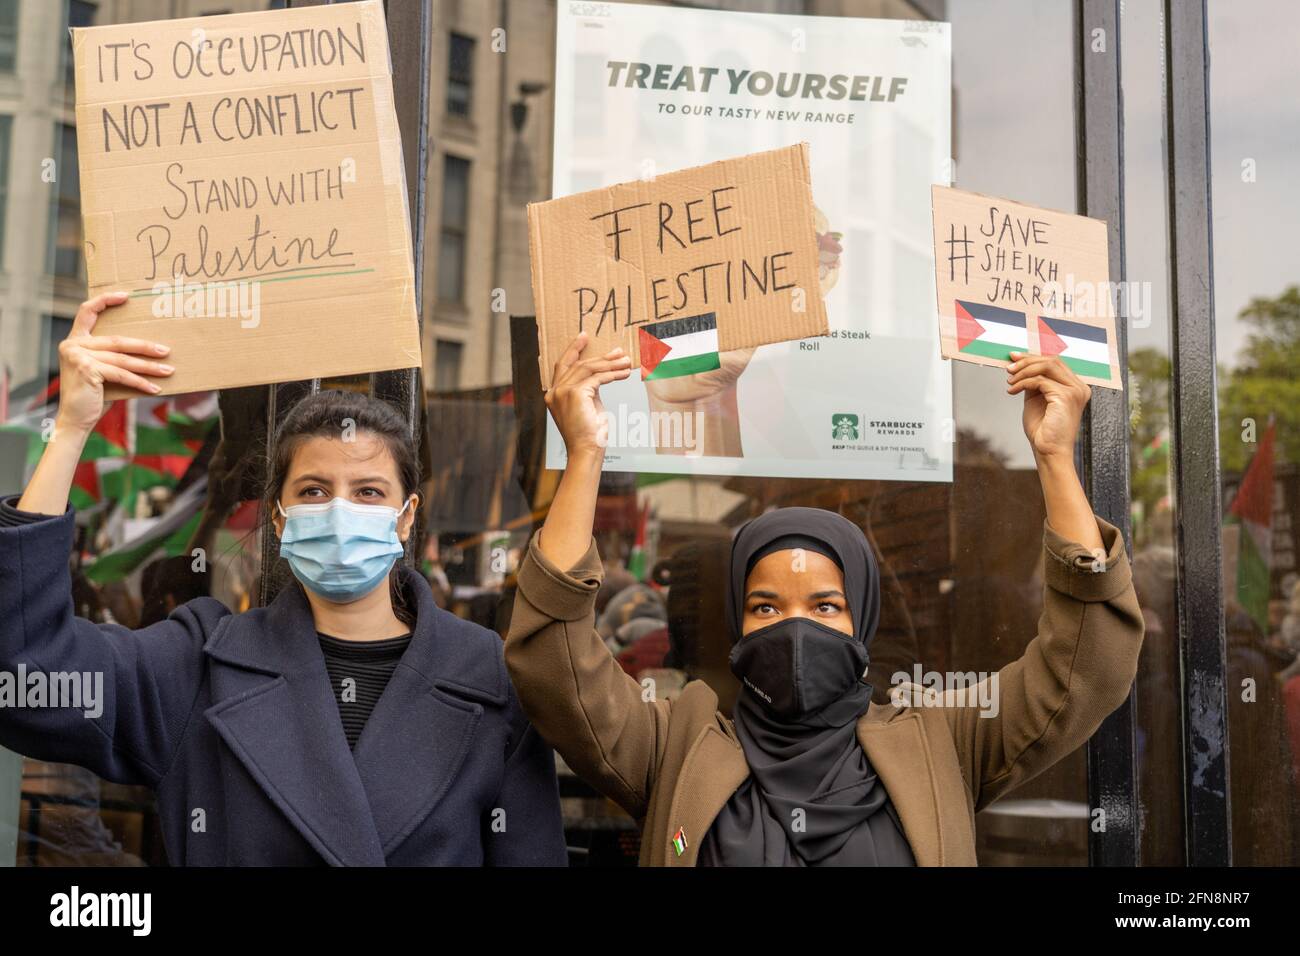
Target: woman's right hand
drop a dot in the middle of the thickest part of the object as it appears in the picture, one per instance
(87, 361)
(574, 396)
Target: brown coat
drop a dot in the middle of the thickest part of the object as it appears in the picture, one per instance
(674, 764)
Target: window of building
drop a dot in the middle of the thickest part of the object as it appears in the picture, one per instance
(8, 35)
(446, 365)
(57, 329)
(64, 255)
(460, 74)
(455, 226)
(81, 13)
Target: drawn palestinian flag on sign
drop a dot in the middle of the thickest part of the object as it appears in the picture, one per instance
(989, 331)
(679, 347)
(1082, 347)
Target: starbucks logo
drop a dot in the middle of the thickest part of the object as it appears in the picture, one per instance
(844, 427)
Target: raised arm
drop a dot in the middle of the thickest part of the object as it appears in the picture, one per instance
(1080, 666)
(575, 693)
(115, 701)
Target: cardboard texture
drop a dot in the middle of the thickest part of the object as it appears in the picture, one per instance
(242, 179)
(732, 243)
(1012, 277)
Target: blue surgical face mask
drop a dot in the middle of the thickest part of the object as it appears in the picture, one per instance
(339, 549)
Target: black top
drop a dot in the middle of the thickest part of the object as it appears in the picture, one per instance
(359, 671)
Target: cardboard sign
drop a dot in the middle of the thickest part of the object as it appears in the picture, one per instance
(680, 267)
(242, 179)
(1016, 278)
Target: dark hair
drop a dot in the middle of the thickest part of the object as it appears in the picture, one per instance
(330, 414)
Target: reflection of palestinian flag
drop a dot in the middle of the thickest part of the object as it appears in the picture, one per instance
(636, 560)
(1253, 507)
(989, 331)
(1082, 347)
(170, 532)
(679, 347)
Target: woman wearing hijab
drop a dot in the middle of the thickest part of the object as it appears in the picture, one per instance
(811, 772)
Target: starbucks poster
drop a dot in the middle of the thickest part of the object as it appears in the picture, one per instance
(643, 90)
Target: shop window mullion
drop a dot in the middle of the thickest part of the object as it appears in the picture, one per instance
(1113, 836)
(1195, 462)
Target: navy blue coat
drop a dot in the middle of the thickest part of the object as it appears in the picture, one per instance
(231, 719)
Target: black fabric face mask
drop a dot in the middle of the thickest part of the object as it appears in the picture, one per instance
(796, 667)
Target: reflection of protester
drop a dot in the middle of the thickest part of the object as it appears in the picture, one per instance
(62, 824)
(439, 585)
(85, 598)
(1257, 734)
(292, 727)
(810, 771)
(1158, 731)
(644, 645)
(166, 584)
(635, 602)
(698, 647)
(616, 579)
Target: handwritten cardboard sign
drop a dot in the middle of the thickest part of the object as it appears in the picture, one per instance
(1012, 277)
(713, 258)
(242, 179)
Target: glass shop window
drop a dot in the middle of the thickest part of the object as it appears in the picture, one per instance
(1256, 202)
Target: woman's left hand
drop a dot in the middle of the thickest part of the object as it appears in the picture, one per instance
(1054, 401)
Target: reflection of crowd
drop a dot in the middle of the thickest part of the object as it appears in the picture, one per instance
(1263, 686)
(1263, 697)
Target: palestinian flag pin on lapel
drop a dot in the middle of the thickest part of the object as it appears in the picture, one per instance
(679, 347)
(679, 841)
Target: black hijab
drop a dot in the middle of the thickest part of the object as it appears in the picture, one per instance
(812, 798)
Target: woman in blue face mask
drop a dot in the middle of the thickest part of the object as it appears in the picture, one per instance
(809, 770)
(350, 722)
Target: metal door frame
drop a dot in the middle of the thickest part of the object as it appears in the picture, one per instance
(1196, 474)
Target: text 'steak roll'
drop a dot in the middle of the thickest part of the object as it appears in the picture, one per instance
(734, 240)
(242, 179)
